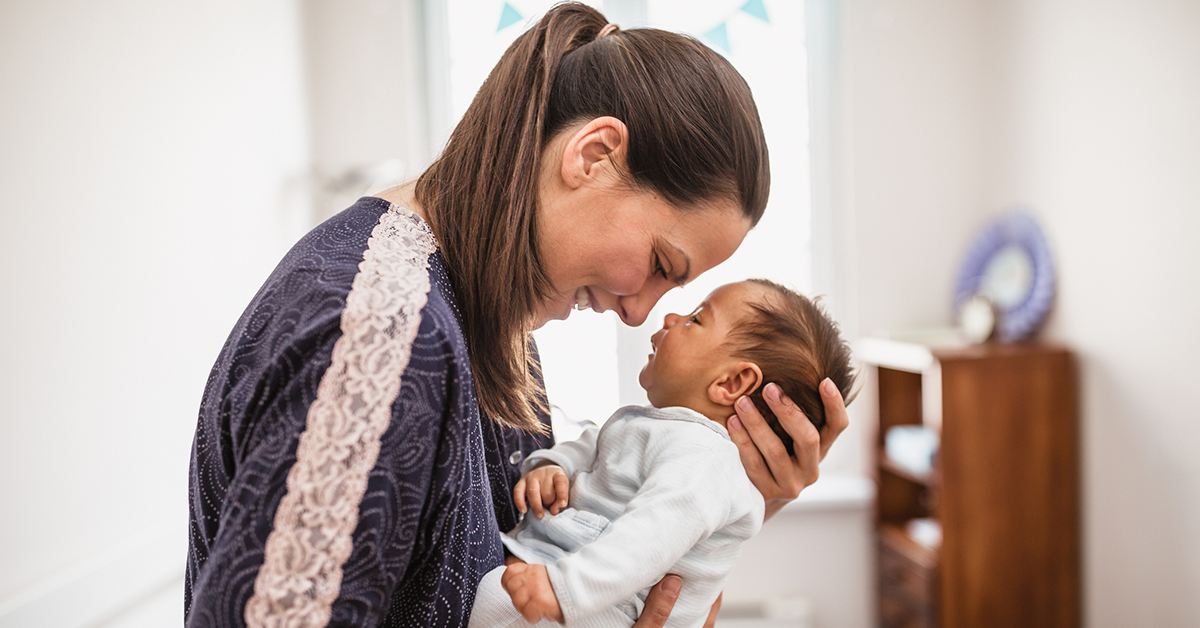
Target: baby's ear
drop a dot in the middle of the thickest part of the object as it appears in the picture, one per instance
(739, 379)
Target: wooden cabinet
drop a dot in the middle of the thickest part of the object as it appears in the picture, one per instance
(1004, 487)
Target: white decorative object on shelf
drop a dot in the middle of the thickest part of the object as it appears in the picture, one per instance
(977, 319)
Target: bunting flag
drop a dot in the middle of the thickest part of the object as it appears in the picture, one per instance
(719, 37)
(757, 9)
(510, 16)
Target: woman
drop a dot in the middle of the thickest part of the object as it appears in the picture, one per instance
(363, 427)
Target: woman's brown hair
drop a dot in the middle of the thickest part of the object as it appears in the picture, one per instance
(694, 136)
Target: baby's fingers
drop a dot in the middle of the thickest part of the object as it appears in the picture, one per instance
(519, 496)
(561, 493)
(512, 573)
(514, 581)
(535, 497)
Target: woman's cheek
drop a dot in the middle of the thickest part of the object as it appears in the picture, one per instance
(625, 279)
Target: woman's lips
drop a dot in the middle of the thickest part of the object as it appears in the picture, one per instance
(584, 299)
(596, 307)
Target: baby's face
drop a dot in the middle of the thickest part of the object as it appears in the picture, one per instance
(689, 351)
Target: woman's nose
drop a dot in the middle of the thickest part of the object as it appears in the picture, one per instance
(636, 307)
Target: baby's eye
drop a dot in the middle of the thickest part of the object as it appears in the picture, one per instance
(694, 319)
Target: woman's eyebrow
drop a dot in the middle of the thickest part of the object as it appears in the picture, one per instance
(687, 265)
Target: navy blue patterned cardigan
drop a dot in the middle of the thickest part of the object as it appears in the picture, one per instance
(437, 495)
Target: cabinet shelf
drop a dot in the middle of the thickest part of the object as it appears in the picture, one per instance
(896, 538)
(930, 479)
(1004, 492)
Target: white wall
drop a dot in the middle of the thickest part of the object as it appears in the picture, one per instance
(908, 161)
(151, 174)
(1104, 106)
(1089, 112)
(368, 96)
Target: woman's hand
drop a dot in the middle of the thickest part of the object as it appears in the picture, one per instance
(659, 602)
(777, 476)
(711, 622)
(546, 487)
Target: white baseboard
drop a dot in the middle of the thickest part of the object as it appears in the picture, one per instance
(98, 588)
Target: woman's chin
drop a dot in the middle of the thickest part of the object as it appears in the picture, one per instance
(560, 308)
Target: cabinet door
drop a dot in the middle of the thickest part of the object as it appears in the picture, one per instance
(1009, 498)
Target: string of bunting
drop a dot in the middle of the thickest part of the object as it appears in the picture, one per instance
(718, 36)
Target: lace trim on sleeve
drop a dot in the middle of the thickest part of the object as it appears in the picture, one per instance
(301, 573)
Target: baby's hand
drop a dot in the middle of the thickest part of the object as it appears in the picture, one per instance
(531, 593)
(546, 487)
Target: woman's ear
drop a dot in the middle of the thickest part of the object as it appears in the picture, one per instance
(741, 378)
(596, 149)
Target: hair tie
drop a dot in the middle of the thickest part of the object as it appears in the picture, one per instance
(608, 29)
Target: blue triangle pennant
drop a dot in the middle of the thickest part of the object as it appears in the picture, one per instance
(508, 17)
(719, 37)
(757, 9)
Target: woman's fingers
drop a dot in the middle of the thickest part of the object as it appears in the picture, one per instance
(793, 473)
(659, 602)
(806, 442)
(752, 460)
(711, 622)
(836, 417)
(780, 477)
(765, 458)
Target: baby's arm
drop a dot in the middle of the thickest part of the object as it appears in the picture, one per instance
(686, 496)
(571, 455)
(546, 487)
(532, 595)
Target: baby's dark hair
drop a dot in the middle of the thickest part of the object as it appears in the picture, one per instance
(797, 346)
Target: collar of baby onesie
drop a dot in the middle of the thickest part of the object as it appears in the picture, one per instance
(679, 413)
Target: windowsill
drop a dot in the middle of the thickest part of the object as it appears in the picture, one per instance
(834, 492)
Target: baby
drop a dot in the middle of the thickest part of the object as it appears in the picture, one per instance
(661, 489)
